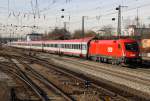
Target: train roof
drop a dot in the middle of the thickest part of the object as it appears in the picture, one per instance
(87, 39)
(118, 40)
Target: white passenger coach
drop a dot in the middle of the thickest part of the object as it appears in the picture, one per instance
(76, 47)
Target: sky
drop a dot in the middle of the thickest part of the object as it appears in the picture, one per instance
(47, 14)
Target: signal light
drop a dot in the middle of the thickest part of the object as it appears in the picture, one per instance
(62, 16)
(113, 19)
(117, 8)
(62, 9)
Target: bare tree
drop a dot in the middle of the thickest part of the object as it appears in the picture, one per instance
(57, 34)
(78, 34)
(108, 29)
(90, 33)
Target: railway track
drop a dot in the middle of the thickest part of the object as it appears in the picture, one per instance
(34, 80)
(130, 76)
(11, 70)
(80, 84)
(81, 80)
(41, 93)
(136, 79)
(42, 85)
(107, 90)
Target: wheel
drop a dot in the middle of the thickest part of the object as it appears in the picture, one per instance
(102, 60)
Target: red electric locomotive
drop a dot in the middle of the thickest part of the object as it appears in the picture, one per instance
(115, 51)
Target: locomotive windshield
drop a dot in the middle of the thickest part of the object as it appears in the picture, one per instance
(131, 46)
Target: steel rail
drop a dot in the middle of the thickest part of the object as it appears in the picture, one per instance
(46, 81)
(42, 94)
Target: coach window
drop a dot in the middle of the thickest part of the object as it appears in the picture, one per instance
(79, 46)
(84, 47)
(68, 46)
(63, 45)
(76, 46)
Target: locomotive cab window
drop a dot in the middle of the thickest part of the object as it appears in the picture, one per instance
(131, 46)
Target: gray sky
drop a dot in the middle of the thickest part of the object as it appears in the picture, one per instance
(48, 14)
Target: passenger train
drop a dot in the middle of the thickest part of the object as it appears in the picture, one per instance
(120, 51)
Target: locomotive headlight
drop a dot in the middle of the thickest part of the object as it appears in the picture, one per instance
(132, 55)
(124, 54)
